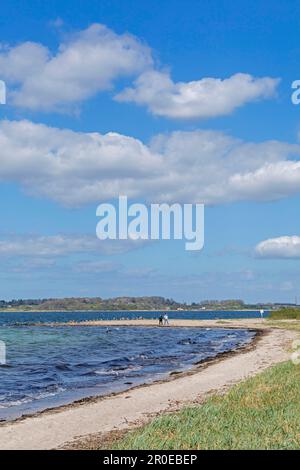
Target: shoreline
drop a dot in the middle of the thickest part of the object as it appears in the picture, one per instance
(56, 427)
(131, 311)
(241, 323)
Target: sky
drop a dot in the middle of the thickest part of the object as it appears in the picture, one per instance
(163, 103)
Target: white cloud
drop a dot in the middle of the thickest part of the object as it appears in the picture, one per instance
(86, 63)
(91, 60)
(75, 168)
(38, 246)
(281, 247)
(205, 98)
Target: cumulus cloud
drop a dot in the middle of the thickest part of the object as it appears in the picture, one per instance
(75, 168)
(91, 60)
(42, 247)
(281, 247)
(86, 63)
(204, 98)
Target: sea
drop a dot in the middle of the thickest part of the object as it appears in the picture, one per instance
(52, 365)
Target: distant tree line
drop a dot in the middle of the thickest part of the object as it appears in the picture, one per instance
(125, 303)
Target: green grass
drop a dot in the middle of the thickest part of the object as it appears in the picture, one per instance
(287, 313)
(260, 413)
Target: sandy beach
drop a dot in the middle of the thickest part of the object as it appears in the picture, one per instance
(92, 418)
(249, 323)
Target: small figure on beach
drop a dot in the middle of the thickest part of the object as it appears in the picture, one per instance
(262, 314)
(160, 320)
(166, 319)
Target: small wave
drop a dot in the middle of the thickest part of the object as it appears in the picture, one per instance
(116, 362)
(31, 397)
(106, 372)
(118, 371)
(186, 341)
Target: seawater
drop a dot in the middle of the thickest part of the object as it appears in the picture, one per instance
(55, 365)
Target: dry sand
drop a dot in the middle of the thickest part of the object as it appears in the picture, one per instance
(56, 428)
(240, 323)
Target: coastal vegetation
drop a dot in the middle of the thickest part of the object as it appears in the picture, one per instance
(260, 413)
(151, 303)
(286, 313)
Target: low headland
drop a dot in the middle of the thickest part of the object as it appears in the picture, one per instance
(145, 303)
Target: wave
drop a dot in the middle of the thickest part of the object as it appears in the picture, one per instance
(29, 398)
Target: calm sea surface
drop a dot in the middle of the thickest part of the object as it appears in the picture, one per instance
(54, 365)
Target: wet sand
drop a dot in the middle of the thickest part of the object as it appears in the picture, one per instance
(72, 424)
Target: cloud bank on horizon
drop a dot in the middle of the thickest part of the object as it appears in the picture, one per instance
(44, 246)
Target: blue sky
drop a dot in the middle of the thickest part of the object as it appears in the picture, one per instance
(138, 70)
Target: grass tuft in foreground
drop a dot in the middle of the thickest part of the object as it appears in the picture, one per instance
(261, 413)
